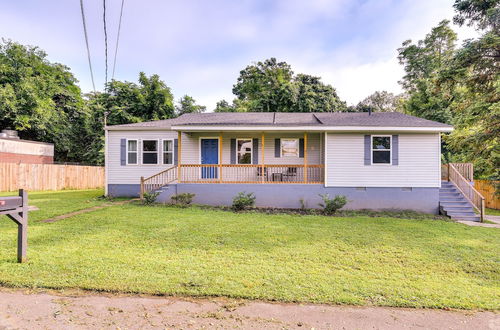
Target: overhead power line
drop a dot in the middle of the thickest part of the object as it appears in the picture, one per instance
(87, 44)
(105, 46)
(117, 40)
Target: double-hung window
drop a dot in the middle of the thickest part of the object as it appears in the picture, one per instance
(289, 147)
(244, 151)
(132, 152)
(381, 149)
(168, 152)
(150, 152)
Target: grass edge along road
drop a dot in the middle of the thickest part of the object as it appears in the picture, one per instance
(199, 252)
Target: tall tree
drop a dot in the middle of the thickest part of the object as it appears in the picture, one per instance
(312, 95)
(475, 70)
(187, 104)
(38, 98)
(381, 101)
(266, 86)
(224, 106)
(271, 86)
(124, 102)
(424, 63)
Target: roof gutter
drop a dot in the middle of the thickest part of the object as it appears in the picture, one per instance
(136, 128)
(310, 128)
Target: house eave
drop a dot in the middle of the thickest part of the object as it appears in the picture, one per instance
(346, 129)
(238, 128)
(136, 128)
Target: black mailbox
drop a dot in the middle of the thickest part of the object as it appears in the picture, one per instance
(7, 203)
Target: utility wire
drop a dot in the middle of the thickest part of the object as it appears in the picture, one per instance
(87, 44)
(117, 40)
(105, 46)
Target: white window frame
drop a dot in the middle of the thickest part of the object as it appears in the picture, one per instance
(163, 152)
(127, 152)
(150, 152)
(372, 150)
(298, 147)
(251, 150)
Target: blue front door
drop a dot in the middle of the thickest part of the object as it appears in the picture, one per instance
(209, 155)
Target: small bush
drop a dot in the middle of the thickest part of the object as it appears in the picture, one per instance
(330, 206)
(183, 199)
(150, 198)
(243, 201)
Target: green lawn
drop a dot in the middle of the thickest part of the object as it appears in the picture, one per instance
(493, 212)
(60, 202)
(199, 252)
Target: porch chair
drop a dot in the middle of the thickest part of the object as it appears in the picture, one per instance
(261, 173)
(290, 174)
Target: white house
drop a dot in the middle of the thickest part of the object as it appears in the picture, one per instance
(378, 160)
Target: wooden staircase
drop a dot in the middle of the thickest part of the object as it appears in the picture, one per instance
(458, 198)
(157, 182)
(453, 204)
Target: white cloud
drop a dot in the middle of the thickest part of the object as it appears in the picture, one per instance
(199, 47)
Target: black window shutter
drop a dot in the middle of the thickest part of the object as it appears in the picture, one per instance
(123, 152)
(277, 148)
(233, 151)
(395, 150)
(301, 148)
(176, 151)
(255, 150)
(368, 151)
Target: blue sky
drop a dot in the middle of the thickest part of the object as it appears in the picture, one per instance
(198, 47)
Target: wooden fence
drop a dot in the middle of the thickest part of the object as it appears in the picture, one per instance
(15, 176)
(487, 189)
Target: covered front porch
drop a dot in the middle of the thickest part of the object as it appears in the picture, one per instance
(250, 157)
(241, 158)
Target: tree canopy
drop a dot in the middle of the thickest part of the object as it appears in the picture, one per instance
(380, 101)
(187, 104)
(272, 86)
(38, 98)
(459, 85)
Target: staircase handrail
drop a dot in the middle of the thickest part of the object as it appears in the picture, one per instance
(467, 190)
(158, 180)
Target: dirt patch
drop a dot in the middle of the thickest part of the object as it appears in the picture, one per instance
(87, 210)
(22, 309)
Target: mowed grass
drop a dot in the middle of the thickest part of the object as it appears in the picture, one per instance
(52, 203)
(200, 252)
(493, 212)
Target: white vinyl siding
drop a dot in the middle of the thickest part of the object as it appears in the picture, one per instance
(419, 162)
(190, 147)
(130, 174)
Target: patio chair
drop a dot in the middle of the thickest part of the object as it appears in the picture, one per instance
(261, 174)
(290, 174)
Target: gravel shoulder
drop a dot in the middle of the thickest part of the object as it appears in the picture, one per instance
(25, 309)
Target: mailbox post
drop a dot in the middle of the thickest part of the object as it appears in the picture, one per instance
(16, 208)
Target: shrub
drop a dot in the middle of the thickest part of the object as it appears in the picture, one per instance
(183, 199)
(243, 201)
(330, 206)
(150, 198)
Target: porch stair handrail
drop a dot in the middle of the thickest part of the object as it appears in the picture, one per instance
(467, 190)
(158, 180)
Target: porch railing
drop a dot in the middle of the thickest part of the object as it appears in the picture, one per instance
(229, 173)
(465, 169)
(467, 189)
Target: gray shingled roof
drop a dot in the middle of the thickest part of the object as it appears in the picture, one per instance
(319, 119)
